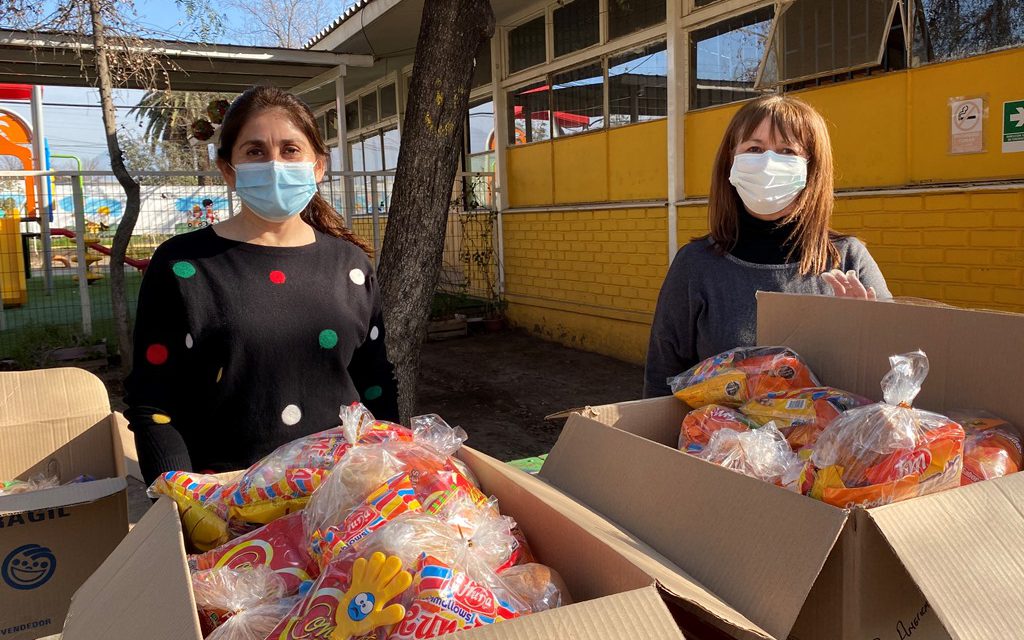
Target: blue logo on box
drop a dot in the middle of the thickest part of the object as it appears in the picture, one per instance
(29, 566)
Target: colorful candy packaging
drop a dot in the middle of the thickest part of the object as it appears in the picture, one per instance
(801, 414)
(885, 452)
(446, 599)
(733, 377)
(282, 546)
(761, 453)
(203, 514)
(992, 447)
(700, 424)
(223, 592)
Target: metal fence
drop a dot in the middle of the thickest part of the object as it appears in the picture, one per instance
(55, 264)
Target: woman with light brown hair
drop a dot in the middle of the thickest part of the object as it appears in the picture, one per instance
(769, 213)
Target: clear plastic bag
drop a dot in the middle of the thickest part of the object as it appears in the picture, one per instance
(35, 483)
(992, 446)
(222, 593)
(733, 377)
(200, 504)
(700, 424)
(801, 415)
(885, 452)
(539, 586)
(256, 623)
(761, 453)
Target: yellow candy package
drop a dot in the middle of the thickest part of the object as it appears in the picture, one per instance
(801, 415)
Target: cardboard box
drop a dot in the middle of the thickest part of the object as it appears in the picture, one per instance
(948, 565)
(619, 584)
(56, 422)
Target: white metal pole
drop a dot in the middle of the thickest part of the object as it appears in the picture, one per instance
(678, 83)
(500, 179)
(343, 161)
(83, 265)
(42, 184)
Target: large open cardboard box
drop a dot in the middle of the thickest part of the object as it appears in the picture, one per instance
(622, 587)
(949, 565)
(55, 422)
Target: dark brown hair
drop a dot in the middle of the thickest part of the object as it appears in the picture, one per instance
(319, 213)
(794, 120)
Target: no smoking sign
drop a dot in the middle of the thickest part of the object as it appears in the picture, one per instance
(966, 132)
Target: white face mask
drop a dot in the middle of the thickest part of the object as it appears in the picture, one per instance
(768, 182)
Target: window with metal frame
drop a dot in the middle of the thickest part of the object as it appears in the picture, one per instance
(529, 117)
(629, 16)
(952, 29)
(352, 115)
(527, 45)
(638, 85)
(480, 126)
(482, 66)
(724, 58)
(577, 97)
(577, 25)
(388, 101)
(368, 109)
(392, 143)
(820, 38)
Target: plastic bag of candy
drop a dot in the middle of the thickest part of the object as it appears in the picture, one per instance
(224, 592)
(992, 446)
(733, 377)
(282, 546)
(761, 453)
(203, 513)
(700, 424)
(537, 585)
(35, 483)
(255, 623)
(801, 414)
(885, 452)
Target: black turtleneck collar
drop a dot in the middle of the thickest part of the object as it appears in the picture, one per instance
(763, 241)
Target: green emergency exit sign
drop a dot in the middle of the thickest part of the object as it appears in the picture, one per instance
(1013, 126)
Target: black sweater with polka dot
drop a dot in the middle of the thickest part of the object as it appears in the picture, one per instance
(240, 348)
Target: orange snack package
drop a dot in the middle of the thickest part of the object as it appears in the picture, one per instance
(700, 424)
(733, 377)
(992, 448)
(801, 414)
(885, 452)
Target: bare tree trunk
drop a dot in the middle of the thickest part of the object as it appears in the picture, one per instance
(118, 292)
(451, 32)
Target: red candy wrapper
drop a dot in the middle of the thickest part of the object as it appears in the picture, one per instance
(280, 545)
(446, 600)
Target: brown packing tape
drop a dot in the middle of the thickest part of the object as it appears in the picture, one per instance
(703, 518)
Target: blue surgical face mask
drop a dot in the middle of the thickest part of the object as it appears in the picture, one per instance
(275, 191)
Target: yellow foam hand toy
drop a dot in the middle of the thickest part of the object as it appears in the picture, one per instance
(374, 583)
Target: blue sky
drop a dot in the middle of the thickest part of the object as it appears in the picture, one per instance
(79, 130)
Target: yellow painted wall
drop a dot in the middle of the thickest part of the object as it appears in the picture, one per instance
(623, 164)
(588, 279)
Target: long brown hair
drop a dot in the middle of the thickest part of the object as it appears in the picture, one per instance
(794, 120)
(319, 213)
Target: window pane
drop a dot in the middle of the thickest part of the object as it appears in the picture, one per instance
(356, 149)
(528, 114)
(352, 115)
(388, 102)
(481, 126)
(628, 16)
(482, 68)
(577, 26)
(578, 98)
(368, 107)
(373, 153)
(391, 144)
(702, 3)
(638, 85)
(332, 124)
(526, 46)
(946, 30)
(816, 38)
(724, 59)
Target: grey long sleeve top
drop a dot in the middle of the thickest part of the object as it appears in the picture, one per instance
(708, 304)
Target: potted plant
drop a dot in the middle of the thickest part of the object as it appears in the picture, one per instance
(494, 319)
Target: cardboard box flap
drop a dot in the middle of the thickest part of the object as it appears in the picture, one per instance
(39, 395)
(703, 518)
(634, 614)
(963, 548)
(146, 573)
(967, 350)
(653, 566)
(68, 495)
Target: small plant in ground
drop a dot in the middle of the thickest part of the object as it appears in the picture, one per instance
(35, 344)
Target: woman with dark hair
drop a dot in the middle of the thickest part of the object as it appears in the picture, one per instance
(770, 213)
(256, 331)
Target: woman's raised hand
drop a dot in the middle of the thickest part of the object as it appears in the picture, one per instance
(848, 285)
